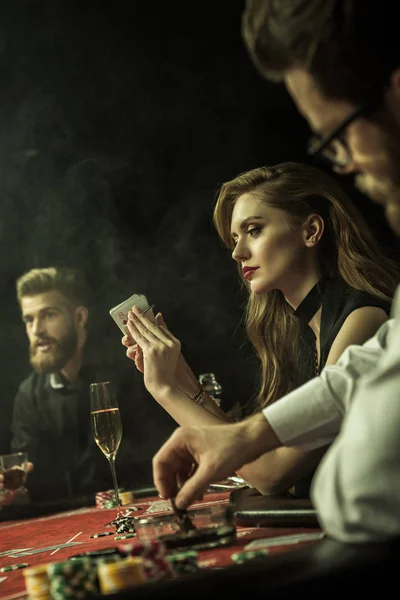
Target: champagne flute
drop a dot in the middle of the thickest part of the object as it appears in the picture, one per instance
(106, 426)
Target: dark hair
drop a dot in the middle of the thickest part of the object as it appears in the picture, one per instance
(350, 47)
(69, 281)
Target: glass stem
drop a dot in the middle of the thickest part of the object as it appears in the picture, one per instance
(114, 477)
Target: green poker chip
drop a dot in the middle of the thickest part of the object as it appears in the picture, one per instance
(186, 555)
(184, 562)
(97, 554)
(66, 568)
(241, 557)
(70, 580)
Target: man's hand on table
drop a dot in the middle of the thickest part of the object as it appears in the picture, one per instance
(194, 457)
(18, 496)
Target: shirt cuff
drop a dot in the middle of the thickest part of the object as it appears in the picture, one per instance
(307, 417)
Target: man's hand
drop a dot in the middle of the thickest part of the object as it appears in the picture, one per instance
(7, 496)
(194, 457)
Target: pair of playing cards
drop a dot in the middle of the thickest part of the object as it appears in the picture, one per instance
(120, 312)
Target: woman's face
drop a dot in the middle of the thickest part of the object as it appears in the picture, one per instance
(270, 250)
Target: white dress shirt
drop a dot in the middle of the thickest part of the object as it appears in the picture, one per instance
(356, 405)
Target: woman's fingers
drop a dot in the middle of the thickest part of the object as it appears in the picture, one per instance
(131, 351)
(164, 328)
(135, 333)
(145, 328)
(135, 353)
(127, 341)
(139, 361)
(141, 328)
(160, 320)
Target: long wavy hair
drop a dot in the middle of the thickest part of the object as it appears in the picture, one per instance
(346, 248)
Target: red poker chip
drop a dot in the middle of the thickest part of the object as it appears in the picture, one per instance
(103, 497)
(158, 569)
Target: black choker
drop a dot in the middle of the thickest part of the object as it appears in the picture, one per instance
(310, 304)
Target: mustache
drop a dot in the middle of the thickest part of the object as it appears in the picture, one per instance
(43, 340)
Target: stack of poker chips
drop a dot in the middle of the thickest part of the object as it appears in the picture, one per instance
(100, 555)
(120, 575)
(107, 499)
(124, 525)
(73, 579)
(184, 562)
(37, 582)
(126, 498)
(246, 555)
(154, 553)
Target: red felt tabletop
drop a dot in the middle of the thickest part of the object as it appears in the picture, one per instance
(76, 527)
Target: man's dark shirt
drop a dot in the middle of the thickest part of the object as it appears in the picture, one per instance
(51, 421)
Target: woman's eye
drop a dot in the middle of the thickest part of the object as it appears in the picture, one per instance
(253, 231)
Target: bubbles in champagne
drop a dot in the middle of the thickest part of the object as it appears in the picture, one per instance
(107, 430)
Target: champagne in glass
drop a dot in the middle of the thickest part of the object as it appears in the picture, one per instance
(106, 426)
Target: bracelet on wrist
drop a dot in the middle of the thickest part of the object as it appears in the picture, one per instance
(199, 396)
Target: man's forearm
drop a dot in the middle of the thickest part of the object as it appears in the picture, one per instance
(260, 437)
(311, 416)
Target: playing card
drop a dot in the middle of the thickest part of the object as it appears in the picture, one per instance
(120, 312)
(284, 540)
(39, 550)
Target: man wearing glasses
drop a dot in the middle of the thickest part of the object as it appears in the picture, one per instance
(330, 147)
(340, 62)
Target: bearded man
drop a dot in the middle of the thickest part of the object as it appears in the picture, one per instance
(51, 415)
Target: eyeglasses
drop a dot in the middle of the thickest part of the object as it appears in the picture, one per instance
(332, 148)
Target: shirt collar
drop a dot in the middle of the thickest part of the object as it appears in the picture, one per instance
(57, 381)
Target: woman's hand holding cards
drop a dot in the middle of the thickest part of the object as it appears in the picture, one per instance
(133, 351)
(185, 378)
(160, 351)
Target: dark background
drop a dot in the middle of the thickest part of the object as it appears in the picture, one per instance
(118, 123)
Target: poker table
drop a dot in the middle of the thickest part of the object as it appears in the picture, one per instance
(57, 536)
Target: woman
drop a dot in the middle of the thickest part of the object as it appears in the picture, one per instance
(317, 283)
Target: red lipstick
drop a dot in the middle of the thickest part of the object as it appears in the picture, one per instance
(248, 272)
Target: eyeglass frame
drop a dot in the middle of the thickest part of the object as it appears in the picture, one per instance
(316, 148)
